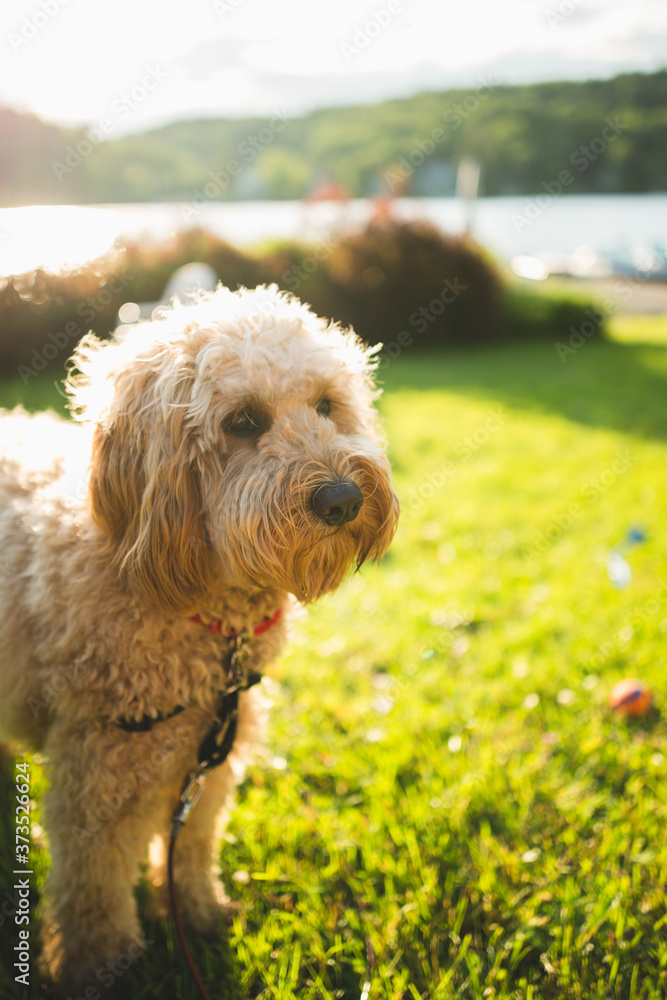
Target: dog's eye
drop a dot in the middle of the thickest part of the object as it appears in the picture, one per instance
(243, 423)
(324, 407)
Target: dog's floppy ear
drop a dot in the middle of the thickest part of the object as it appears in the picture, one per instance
(145, 495)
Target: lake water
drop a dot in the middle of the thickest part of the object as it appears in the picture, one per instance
(629, 227)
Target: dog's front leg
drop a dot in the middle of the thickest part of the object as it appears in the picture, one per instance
(200, 896)
(98, 818)
(199, 890)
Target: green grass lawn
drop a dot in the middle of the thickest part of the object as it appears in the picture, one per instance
(445, 806)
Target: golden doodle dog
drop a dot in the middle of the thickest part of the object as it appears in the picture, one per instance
(226, 460)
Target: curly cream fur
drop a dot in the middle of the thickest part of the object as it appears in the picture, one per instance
(117, 528)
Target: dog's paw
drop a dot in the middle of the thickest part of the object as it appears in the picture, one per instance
(207, 913)
(79, 968)
(206, 920)
(202, 905)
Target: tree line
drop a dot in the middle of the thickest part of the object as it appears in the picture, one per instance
(603, 136)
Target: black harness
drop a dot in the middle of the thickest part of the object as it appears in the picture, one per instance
(217, 744)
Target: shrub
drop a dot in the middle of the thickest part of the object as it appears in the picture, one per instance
(42, 316)
(404, 281)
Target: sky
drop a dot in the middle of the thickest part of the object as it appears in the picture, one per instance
(137, 64)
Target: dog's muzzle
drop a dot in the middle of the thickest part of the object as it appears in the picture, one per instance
(337, 503)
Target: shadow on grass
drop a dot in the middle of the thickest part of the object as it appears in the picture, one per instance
(618, 386)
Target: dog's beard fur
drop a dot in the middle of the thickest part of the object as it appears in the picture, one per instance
(269, 536)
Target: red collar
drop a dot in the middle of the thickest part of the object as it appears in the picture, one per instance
(217, 625)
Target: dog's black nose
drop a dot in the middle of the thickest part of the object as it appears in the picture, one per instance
(337, 503)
